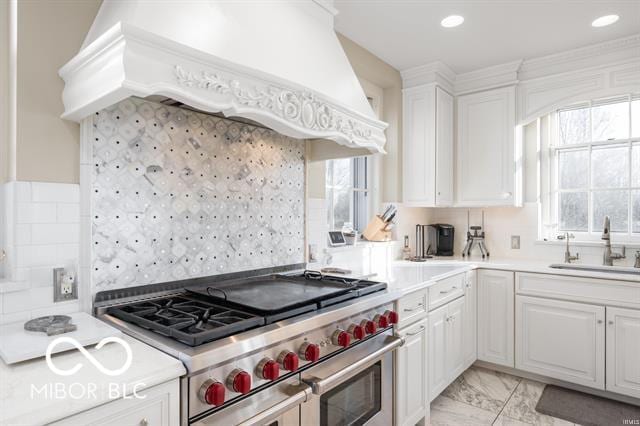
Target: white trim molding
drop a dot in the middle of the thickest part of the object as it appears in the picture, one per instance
(547, 83)
(128, 61)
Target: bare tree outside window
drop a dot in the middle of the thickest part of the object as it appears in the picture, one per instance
(597, 163)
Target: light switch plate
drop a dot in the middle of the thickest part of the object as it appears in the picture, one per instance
(515, 242)
(64, 288)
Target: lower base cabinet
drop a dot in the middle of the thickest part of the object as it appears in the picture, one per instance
(411, 375)
(446, 345)
(160, 406)
(562, 340)
(623, 351)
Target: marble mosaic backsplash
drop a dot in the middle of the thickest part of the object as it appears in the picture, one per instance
(178, 194)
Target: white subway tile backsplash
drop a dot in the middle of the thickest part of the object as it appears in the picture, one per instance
(23, 192)
(55, 192)
(27, 300)
(23, 235)
(55, 233)
(67, 254)
(68, 213)
(41, 277)
(42, 230)
(36, 255)
(36, 213)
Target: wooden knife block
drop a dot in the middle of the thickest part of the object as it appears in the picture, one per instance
(376, 230)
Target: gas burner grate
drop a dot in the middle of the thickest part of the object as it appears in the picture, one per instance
(190, 321)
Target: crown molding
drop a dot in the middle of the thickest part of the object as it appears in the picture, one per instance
(606, 54)
(488, 78)
(593, 55)
(433, 72)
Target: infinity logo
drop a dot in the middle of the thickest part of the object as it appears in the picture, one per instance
(95, 362)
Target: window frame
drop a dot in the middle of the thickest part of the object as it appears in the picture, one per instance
(552, 229)
(354, 187)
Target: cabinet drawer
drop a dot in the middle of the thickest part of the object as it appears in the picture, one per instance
(591, 290)
(159, 406)
(412, 307)
(445, 291)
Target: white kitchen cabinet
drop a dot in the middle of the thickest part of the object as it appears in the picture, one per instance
(495, 317)
(446, 343)
(159, 405)
(623, 351)
(489, 168)
(427, 146)
(562, 340)
(470, 318)
(411, 372)
(437, 351)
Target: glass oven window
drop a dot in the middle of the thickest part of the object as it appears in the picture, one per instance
(355, 401)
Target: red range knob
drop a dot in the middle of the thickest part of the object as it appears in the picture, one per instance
(393, 316)
(381, 320)
(369, 326)
(341, 338)
(309, 352)
(212, 392)
(288, 360)
(239, 381)
(268, 369)
(357, 331)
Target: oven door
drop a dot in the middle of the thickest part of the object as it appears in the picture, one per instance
(354, 387)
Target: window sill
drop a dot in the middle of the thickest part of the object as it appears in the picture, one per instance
(573, 243)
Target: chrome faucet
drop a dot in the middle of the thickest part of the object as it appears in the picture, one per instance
(567, 252)
(637, 263)
(609, 256)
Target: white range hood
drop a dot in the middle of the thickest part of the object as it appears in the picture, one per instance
(276, 62)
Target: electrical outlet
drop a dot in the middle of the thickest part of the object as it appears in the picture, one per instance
(65, 285)
(515, 242)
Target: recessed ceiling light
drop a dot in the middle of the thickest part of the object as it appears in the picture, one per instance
(452, 21)
(603, 21)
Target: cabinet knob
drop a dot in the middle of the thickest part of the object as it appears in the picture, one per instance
(610, 322)
(144, 422)
(600, 321)
(506, 194)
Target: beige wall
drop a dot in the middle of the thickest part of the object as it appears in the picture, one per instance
(50, 33)
(4, 90)
(372, 69)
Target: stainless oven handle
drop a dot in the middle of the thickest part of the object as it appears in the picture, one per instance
(320, 385)
(302, 394)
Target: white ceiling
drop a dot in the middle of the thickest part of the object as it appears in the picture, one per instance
(407, 33)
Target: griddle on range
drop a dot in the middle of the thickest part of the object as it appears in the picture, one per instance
(274, 297)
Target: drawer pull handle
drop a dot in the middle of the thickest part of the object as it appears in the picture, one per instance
(417, 332)
(413, 309)
(448, 291)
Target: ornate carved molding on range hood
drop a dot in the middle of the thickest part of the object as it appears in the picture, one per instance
(128, 60)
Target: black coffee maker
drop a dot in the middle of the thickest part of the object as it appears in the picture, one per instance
(440, 239)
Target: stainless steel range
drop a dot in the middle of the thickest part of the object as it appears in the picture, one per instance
(279, 346)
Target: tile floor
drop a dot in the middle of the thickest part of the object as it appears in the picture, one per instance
(485, 397)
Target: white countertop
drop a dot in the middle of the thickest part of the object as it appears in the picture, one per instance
(406, 277)
(23, 399)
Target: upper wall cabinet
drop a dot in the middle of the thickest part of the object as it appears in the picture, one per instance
(489, 166)
(428, 146)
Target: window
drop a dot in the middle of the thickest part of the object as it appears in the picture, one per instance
(595, 168)
(348, 196)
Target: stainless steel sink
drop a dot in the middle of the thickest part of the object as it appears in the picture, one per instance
(597, 268)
